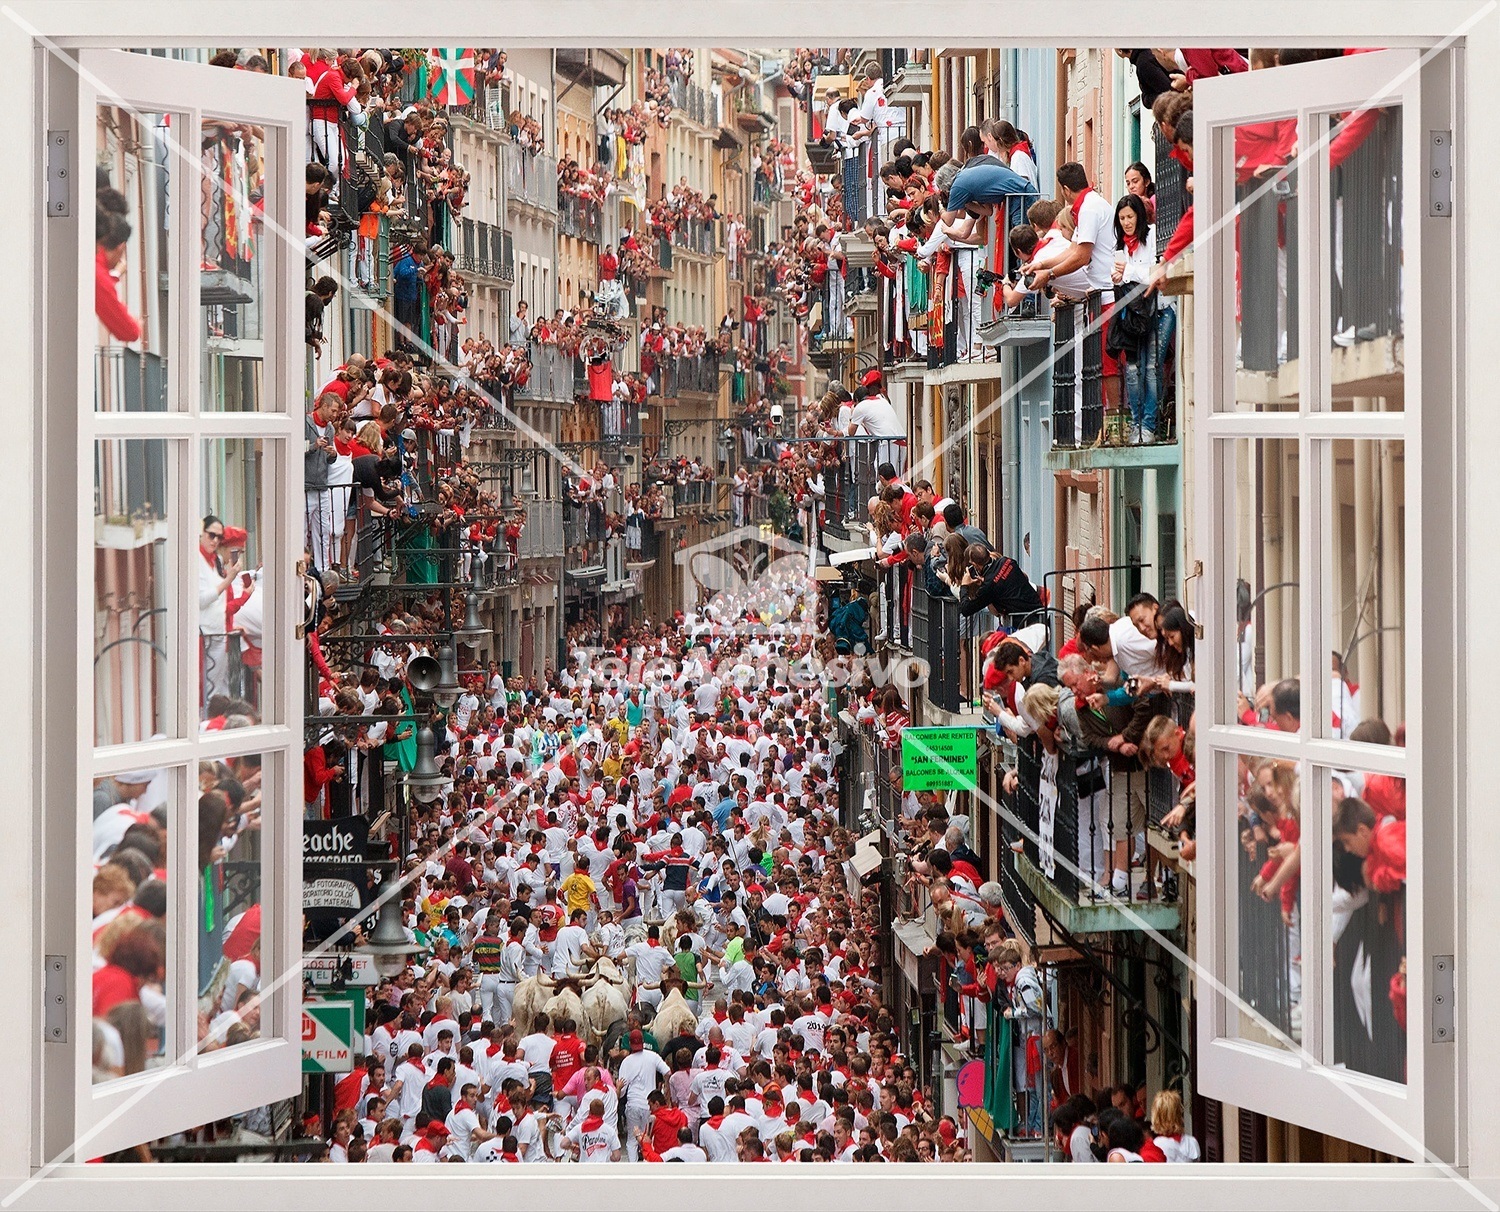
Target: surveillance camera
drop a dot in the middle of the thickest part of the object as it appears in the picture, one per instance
(778, 414)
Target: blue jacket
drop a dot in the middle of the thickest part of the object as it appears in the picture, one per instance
(408, 279)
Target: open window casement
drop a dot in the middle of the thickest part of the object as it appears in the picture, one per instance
(1327, 515)
(173, 249)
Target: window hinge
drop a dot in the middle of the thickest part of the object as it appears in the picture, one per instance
(59, 174)
(1440, 174)
(55, 1000)
(1444, 1001)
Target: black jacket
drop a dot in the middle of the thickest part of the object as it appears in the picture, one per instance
(1003, 586)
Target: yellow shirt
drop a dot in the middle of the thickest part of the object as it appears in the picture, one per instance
(620, 727)
(576, 890)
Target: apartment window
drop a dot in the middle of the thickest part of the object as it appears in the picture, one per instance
(1327, 577)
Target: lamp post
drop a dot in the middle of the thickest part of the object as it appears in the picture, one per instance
(387, 944)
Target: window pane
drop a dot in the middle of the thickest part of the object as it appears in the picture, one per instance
(229, 902)
(233, 319)
(1266, 267)
(1367, 584)
(231, 589)
(133, 265)
(1266, 648)
(1266, 888)
(134, 814)
(1363, 323)
(1369, 923)
(134, 692)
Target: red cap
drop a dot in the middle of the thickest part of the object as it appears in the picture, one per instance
(637, 1041)
(871, 378)
(947, 1131)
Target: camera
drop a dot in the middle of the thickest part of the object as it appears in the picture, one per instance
(778, 414)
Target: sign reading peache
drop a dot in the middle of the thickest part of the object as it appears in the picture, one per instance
(939, 759)
(333, 872)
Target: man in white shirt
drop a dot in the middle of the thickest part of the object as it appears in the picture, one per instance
(639, 1074)
(1093, 247)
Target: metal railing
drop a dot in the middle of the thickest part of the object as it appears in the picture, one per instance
(1172, 197)
(697, 235)
(553, 375)
(530, 177)
(688, 373)
(484, 249)
(895, 615)
(1078, 372)
(490, 107)
(582, 218)
(963, 311)
(542, 536)
(695, 103)
(1087, 826)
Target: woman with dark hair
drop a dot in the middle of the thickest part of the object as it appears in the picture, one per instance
(1144, 357)
(1174, 641)
(1018, 151)
(1138, 182)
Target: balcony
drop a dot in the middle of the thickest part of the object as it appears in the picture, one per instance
(489, 109)
(908, 80)
(1070, 859)
(955, 665)
(694, 103)
(685, 376)
(593, 67)
(484, 250)
(530, 179)
(542, 536)
(553, 377)
(698, 236)
(581, 218)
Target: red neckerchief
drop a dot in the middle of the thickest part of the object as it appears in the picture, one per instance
(462, 1106)
(1078, 202)
(510, 1157)
(591, 1123)
(1132, 243)
(714, 1121)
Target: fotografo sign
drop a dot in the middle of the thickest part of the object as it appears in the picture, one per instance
(333, 871)
(939, 759)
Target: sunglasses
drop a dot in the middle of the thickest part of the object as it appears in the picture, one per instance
(213, 534)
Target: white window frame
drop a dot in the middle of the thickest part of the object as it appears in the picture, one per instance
(119, 1113)
(1412, 1119)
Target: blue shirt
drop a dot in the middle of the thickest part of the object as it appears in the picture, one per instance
(723, 810)
(406, 275)
(992, 183)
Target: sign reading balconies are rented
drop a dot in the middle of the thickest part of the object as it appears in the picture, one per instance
(939, 759)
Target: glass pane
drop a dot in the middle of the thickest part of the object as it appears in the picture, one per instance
(133, 265)
(1367, 582)
(1266, 267)
(1369, 923)
(232, 320)
(134, 813)
(1266, 648)
(1363, 153)
(1267, 887)
(229, 902)
(134, 692)
(231, 589)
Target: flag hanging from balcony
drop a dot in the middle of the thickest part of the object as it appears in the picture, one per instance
(450, 75)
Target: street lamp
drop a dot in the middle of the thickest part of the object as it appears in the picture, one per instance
(387, 945)
(447, 690)
(473, 631)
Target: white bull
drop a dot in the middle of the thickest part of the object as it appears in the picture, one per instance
(564, 1001)
(604, 1001)
(531, 997)
(675, 1017)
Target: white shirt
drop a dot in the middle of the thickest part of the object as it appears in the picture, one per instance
(1134, 653)
(1096, 226)
(638, 1075)
(876, 417)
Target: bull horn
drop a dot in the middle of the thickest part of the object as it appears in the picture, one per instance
(546, 982)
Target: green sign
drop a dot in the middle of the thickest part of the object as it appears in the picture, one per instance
(328, 1028)
(939, 759)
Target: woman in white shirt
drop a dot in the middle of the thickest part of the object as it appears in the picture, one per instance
(1135, 261)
